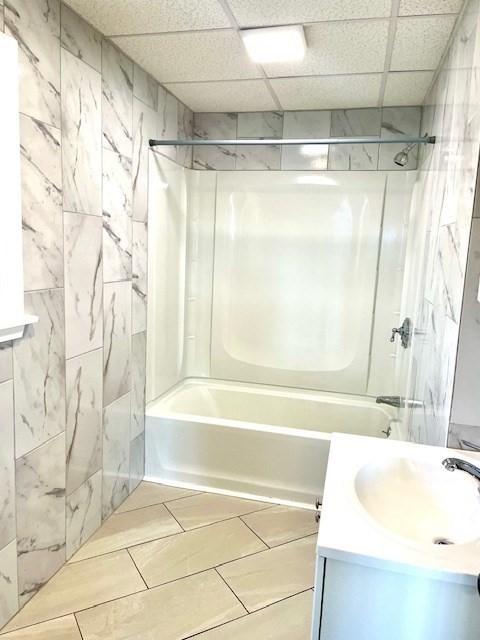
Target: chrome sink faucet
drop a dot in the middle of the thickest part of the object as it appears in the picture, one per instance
(451, 464)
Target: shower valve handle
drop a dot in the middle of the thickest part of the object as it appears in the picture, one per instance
(405, 331)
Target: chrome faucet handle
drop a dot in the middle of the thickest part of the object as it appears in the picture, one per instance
(405, 332)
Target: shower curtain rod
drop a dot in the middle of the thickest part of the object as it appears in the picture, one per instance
(296, 141)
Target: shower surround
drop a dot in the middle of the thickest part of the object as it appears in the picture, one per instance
(72, 390)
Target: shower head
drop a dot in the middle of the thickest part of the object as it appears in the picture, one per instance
(401, 158)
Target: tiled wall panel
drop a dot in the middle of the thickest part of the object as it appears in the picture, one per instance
(72, 391)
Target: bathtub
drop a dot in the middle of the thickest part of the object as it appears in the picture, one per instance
(268, 443)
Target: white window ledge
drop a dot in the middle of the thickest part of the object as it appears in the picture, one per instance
(16, 330)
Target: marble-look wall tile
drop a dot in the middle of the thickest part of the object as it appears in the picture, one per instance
(80, 38)
(40, 492)
(117, 93)
(7, 465)
(210, 126)
(139, 277)
(185, 132)
(137, 461)
(144, 128)
(167, 121)
(39, 373)
(462, 436)
(117, 311)
(83, 283)
(116, 454)
(348, 123)
(1, 15)
(81, 136)
(399, 121)
(8, 582)
(139, 354)
(117, 217)
(84, 513)
(36, 27)
(84, 385)
(6, 361)
(268, 124)
(305, 124)
(41, 171)
(145, 88)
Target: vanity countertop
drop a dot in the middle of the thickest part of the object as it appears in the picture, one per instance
(348, 532)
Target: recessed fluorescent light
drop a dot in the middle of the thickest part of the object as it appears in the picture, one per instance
(275, 44)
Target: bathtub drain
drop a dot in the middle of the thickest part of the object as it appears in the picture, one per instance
(442, 541)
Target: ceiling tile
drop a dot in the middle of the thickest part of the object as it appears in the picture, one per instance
(420, 42)
(405, 88)
(144, 16)
(328, 92)
(425, 7)
(357, 46)
(256, 13)
(188, 57)
(243, 95)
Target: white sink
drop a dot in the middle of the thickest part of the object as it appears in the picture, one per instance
(420, 501)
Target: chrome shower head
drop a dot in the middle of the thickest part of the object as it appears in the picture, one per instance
(401, 158)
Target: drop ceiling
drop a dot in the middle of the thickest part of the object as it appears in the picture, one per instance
(361, 53)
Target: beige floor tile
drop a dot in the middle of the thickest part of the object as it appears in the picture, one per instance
(179, 556)
(282, 524)
(149, 493)
(59, 629)
(127, 529)
(81, 585)
(208, 508)
(289, 619)
(170, 612)
(272, 575)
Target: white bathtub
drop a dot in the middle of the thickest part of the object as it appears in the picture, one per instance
(265, 442)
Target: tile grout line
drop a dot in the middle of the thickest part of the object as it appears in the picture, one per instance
(181, 527)
(231, 590)
(254, 532)
(139, 572)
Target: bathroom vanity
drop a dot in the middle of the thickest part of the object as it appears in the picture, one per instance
(398, 551)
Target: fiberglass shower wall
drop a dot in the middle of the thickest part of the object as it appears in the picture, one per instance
(288, 278)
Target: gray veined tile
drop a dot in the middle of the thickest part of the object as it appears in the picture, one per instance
(36, 27)
(117, 93)
(137, 461)
(139, 277)
(350, 123)
(8, 582)
(305, 124)
(144, 128)
(1, 15)
(41, 170)
(83, 513)
(81, 136)
(39, 373)
(221, 126)
(262, 124)
(6, 361)
(139, 353)
(398, 121)
(84, 388)
(40, 491)
(116, 454)
(167, 121)
(117, 217)
(7, 465)
(185, 132)
(170, 612)
(81, 585)
(80, 38)
(257, 158)
(83, 283)
(145, 87)
(117, 312)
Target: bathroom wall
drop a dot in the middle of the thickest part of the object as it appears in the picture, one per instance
(72, 390)
(389, 122)
(442, 214)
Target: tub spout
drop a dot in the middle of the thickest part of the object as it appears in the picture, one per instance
(399, 402)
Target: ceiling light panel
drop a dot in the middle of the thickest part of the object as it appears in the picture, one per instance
(243, 95)
(275, 44)
(420, 42)
(257, 13)
(328, 92)
(116, 17)
(356, 46)
(187, 57)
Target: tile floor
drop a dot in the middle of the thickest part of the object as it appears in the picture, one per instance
(172, 564)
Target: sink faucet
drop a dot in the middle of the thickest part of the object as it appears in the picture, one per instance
(456, 463)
